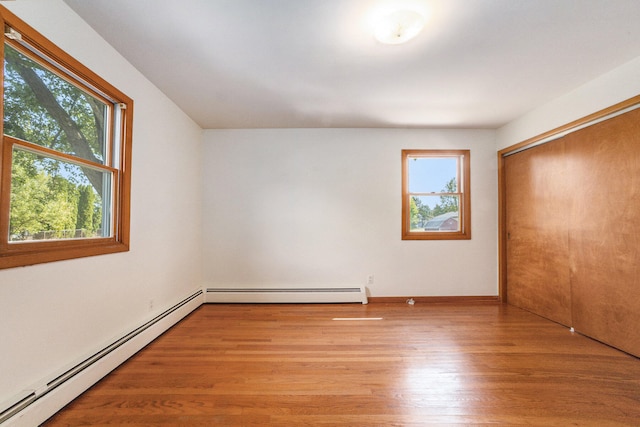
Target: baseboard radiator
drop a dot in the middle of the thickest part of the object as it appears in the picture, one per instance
(355, 294)
(38, 404)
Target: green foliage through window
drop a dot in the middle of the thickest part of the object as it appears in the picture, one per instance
(421, 212)
(51, 201)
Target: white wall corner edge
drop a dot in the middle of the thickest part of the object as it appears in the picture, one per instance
(48, 404)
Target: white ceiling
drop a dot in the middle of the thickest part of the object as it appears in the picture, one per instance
(314, 63)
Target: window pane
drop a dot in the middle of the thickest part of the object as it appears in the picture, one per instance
(53, 199)
(433, 174)
(42, 108)
(434, 213)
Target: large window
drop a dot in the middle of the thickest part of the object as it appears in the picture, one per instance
(65, 154)
(436, 195)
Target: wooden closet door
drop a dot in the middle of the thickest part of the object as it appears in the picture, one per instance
(537, 232)
(603, 163)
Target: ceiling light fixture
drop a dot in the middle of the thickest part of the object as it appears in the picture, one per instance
(398, 27)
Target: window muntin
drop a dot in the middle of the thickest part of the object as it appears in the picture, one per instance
(65, 154)
(435, 194)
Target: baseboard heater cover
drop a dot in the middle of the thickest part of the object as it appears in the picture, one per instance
(30, 398)
(287, 295)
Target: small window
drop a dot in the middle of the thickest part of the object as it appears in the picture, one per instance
(65, 154)
(436, 195)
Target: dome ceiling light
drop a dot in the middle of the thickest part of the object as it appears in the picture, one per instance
(399, 27)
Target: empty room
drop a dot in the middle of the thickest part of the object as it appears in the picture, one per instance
(320, 213)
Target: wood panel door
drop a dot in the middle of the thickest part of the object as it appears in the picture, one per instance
(537, 246)
(603, 164)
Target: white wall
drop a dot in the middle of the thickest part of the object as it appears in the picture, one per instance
(306, 207)
(611, 88)
(52, 314)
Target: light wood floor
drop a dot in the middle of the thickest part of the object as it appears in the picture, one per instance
(423, 365)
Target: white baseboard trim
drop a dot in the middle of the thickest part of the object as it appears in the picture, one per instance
(36, 408)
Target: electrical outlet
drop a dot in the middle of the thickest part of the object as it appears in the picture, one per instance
(370, 279)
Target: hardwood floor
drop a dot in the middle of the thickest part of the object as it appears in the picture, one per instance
(422, 365)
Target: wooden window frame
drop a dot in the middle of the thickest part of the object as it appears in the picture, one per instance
(464, 192)
(15, 254)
